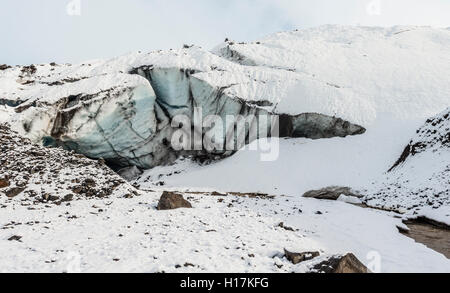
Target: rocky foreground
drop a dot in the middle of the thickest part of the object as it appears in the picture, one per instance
(62, 212)
(85, 218)
(35, 174)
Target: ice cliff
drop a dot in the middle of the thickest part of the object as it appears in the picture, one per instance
(324, 82)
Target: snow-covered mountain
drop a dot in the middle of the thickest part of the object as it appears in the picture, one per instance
(350, 73)
(120, 110)
(349, 100)
(400, 70)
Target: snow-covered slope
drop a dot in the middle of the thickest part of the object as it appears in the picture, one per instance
(399, 70)
(302, 165)
(224, 233)
(393, 78)
(419, 182)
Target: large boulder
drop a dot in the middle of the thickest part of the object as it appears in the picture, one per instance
(297, 258)
(347, 264)
(332, 193)
(172, 201)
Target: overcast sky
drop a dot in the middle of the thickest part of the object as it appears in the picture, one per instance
(51, 30)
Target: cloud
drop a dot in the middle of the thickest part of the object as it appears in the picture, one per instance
(42, 31)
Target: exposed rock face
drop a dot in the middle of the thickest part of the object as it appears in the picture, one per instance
(332, 193)
(347, 264)
(297, 258)
(420, 179)
(171, 201)
(37, 174)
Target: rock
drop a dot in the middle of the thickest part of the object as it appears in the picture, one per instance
(67, 198)
(4, 66)
(341, 265)
(171, 201)
(332, 193)
(89, 182)
(29, 70)
(4, 183)
(50, 197)
(296, 258)
(15, 238)
(287, 228)
(13, 192)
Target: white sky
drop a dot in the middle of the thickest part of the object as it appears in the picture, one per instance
(42, 31)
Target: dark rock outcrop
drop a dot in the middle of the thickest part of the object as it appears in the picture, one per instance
(4, 66)
(332, 193)
(13, 192)
(348, 264)
(297, 258)
(15, 238)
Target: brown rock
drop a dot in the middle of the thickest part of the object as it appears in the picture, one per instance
(171, 201)
(4, 66)
(287, 228)
(347, 264)
(68, 197)
(13, 192)
(296, 258)
(89, 182)
(4, 183)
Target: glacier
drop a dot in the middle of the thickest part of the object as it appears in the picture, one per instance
(121, 110)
